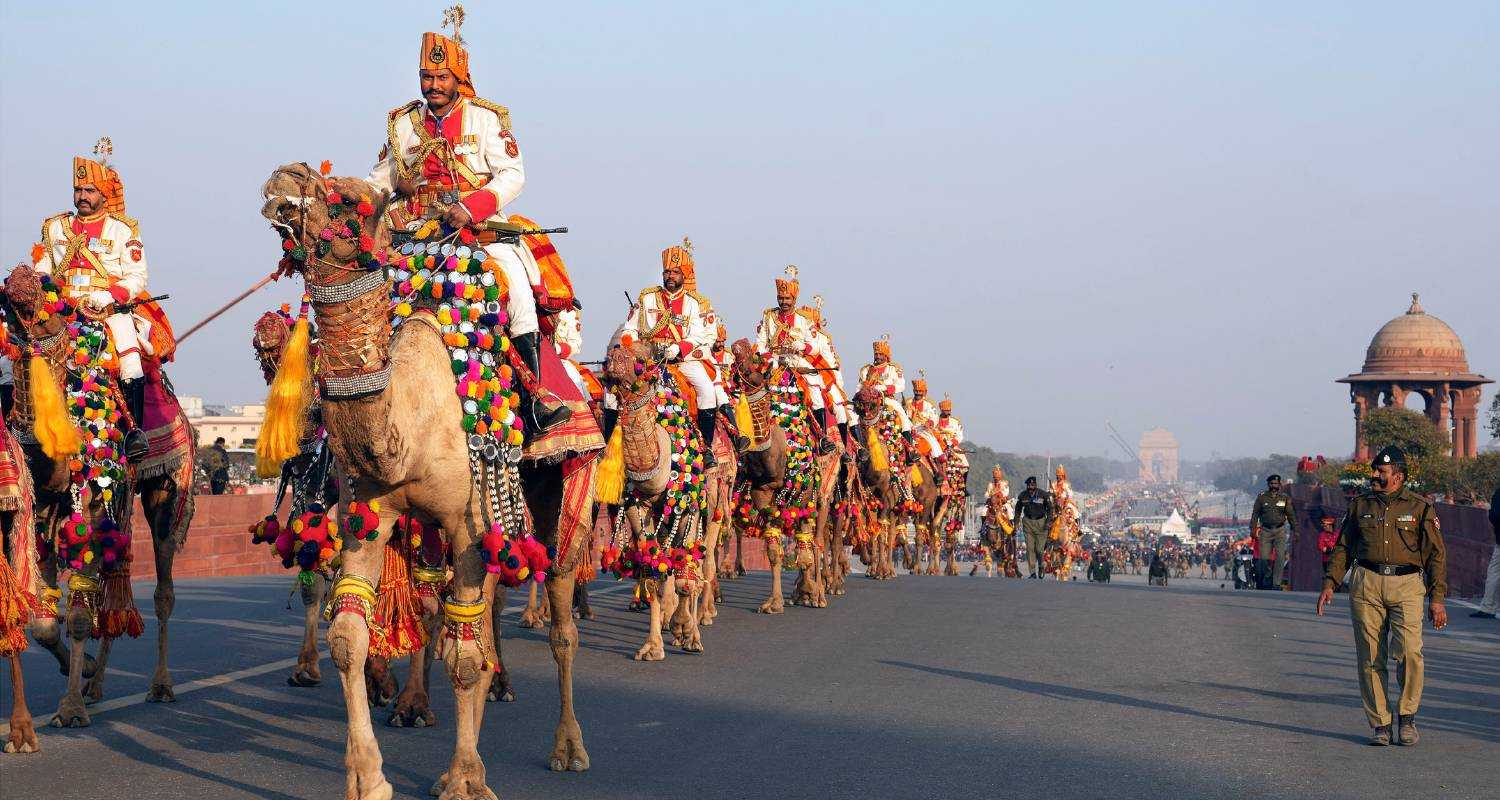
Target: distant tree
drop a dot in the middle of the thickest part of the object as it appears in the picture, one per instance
(1087, 473)
(1249, 474)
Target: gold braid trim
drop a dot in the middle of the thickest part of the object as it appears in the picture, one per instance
(500, 111)
(461, 613)
(429, 574)
(79, 582)
(393, 147)
(362, 590)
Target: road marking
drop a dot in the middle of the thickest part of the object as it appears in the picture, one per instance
(251, 672)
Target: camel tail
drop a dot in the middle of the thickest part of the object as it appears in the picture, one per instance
(54, 430)
(286, 407)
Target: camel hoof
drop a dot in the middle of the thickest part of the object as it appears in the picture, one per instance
(500, 690)
(531, 618)
(576, 765)
(769, 607)
(161, 693)
(22, 738)
(302, 678)
(71, 719)
(651, 652)
(693, 647)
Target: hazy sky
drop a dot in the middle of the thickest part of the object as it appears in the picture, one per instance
(1183, 214)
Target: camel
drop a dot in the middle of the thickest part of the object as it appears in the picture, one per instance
(395, 427)
(163, 481)
(20, 582)
(948, 519)
(311, 477)
(779, 470)
(664, 480)
(884, 475)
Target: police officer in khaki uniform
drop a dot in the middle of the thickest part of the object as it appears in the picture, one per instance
(1034, 513)
(1392, 539)
(1271, 524)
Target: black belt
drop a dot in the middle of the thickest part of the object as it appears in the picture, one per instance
(1389, 569)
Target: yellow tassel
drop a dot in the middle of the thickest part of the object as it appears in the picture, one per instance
(743, 419)
(54, 429)
(609, 478)
(878, 459)
(286, 407)
(916, 476)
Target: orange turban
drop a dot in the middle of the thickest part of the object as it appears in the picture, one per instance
(87, 172)
(919, 386)
(1061, 473)
(440, 52)
(883, 347)
(946, 405)
(681, 257)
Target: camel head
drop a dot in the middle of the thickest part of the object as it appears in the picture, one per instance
(631, 370)
(271, 333)
(750, 367)
(331, 228)
(26, 293)
(869, 403)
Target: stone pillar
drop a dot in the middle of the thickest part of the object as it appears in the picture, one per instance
(1363, 397)
(1466, 422)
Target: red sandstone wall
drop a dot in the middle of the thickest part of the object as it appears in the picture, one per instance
(1466, 533)
(218, 544)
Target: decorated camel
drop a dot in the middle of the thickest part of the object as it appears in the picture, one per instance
(660, 544)
(815, 581)
(901, 494)
(68, 419)
(408, 409)
(20, 583)
(779, 470)
(1062, 544)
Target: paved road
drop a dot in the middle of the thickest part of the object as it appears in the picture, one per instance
(919, 688)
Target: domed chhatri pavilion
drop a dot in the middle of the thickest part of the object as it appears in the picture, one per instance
(1417, 352)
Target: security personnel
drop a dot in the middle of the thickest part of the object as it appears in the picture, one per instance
(1392, 539)
(1271, 522)
(1034, 512)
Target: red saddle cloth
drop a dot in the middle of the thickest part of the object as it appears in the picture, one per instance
(168, 436)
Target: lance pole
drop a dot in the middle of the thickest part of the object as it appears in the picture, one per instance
(231, 304)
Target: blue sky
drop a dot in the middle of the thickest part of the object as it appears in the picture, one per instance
(1183, 214)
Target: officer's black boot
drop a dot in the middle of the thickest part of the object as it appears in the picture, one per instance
(740, 440)
(135, 403)
(611, 417)
(544, 412)
(706, 421)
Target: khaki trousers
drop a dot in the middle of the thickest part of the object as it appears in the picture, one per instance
(1280, 539)
(1387, 615)
(1036, 541)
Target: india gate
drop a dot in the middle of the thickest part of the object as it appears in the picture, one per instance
(1418, 353)
(1158, 456)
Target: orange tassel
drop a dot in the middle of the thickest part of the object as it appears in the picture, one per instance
(397, 628)
(17, 608)
(118, 615)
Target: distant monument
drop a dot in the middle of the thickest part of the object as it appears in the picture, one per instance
(1158, 455)
(1419, 353)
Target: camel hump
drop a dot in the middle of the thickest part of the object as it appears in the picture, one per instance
(495, 108)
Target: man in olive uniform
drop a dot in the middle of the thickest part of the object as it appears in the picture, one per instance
(1034, 512)
(1270, 523)
(1392, 539)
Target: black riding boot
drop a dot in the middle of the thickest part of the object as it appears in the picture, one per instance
(545, 412)
(611, 418)
(135, 402)
(707, 420)
(739, 437)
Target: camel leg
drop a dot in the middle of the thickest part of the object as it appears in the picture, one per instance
(708, 587)
(93, 690)
(531, 616)
(470, 675)
(775, 603)
(412, 707)
(739, 552)
(685, 633)
(568, 752)
(581, 607)
(500, 689)
(307, 673)
(22, 737)
(70, 710)
(159, 501)
(349, 648)
(653, 650)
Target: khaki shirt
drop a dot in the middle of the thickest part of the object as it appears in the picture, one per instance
(1272, 510)
(1397, 529)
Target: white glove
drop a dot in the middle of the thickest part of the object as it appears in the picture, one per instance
(99, 299)
(673, 351)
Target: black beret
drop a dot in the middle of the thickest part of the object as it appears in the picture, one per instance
(1390, 455)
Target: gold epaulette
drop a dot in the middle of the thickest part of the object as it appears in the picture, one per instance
(406, 109)
(809, 314)
(648, 291)
(130, 222)
(47, 223)
(500, 111)
(703, 304)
